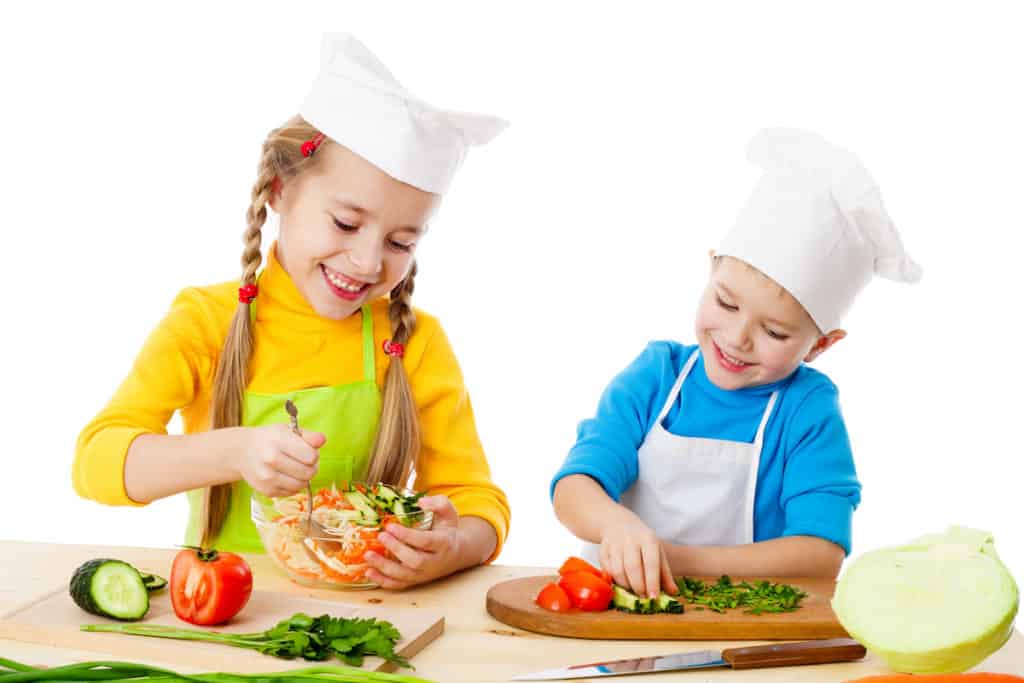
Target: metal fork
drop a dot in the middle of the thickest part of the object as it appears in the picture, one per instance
(314, 530)
(293, 413)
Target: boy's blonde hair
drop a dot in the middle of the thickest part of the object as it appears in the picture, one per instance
(717, 258)
(398, 437)
(782, 291)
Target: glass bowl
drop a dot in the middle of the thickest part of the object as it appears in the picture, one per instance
(351, 517)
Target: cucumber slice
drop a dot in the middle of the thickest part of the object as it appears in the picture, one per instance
(153, 582)
(386, 493)
(668, 604)
(110, 588)
(624, 600)
(361, 503)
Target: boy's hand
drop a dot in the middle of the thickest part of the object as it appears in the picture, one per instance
(633, 554)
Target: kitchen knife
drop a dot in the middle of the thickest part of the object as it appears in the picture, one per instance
(758, 656)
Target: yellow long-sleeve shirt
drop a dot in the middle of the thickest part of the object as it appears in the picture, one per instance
(296, 349)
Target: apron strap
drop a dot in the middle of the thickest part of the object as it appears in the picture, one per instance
(252, 305)
(677, 386)
(764, 421)
(755, 468)
(369, 367)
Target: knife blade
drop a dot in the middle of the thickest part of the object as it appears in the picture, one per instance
(758, 656)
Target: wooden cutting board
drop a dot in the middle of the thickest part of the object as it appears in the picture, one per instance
(54, 619)
(511, 602)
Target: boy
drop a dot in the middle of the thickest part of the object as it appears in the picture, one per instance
(751, 473)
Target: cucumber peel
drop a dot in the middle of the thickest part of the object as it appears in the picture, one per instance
(153, 582)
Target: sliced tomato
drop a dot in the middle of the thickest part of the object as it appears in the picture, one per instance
(586, 591)
(209, 587)
(575, 564)
(554, 598)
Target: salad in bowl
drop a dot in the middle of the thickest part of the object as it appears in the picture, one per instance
(347, 522)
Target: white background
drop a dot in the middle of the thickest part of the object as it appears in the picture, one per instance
(131, 136)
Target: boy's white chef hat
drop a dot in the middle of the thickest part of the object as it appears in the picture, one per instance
(356, 102)
(815, 224)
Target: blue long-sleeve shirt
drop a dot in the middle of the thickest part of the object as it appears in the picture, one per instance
(806, 482)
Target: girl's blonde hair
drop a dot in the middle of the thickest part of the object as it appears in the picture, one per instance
(398, 437)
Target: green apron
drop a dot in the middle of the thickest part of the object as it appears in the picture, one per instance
(347, 414)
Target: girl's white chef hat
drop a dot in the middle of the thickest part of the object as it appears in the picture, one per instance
(358, 103)
(815, 223)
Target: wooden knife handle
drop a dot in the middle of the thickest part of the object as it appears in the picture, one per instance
(793, 654)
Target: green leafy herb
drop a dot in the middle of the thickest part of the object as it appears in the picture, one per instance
(755, 598)
(15, 672)
(313, 638)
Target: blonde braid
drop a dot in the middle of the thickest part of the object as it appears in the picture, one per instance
(398, 437)
(231, 378)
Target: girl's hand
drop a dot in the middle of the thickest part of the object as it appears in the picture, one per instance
(633, 554)
(420, 555)
(276, 461)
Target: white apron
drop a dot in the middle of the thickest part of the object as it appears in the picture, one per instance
(692, 490)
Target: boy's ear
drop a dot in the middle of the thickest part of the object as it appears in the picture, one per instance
(824, 343)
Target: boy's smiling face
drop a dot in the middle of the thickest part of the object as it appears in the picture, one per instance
(751, 331)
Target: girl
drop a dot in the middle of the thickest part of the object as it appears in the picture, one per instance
(354, 180)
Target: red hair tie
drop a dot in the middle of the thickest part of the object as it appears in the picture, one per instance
(309, 146)
(393, 349)
(246, 293)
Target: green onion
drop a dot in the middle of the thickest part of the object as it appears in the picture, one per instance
(15, 672)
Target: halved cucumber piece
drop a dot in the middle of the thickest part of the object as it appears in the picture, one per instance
(110, 588)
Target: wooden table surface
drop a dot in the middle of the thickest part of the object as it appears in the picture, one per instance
(474, 647)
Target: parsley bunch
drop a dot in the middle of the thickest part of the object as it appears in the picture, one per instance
(755, 598)
(313, 638)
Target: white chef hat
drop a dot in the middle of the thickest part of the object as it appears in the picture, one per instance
(815, 223)
(358, 103)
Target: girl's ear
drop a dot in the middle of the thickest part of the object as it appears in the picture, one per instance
(275, 192)
(823, 344)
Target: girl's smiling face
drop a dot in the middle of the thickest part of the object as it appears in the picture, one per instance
(348, 230)
(751, 331)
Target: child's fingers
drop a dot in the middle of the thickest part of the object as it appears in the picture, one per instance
(445, 513)
(389, 568)
(275, 484)
(611, 562)
(293, 467)
(385, 581)
(421, 539)
(651, 556)
(314, 439)
(668, 581)
(409, 557)
(634, 565)
(298, 448)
